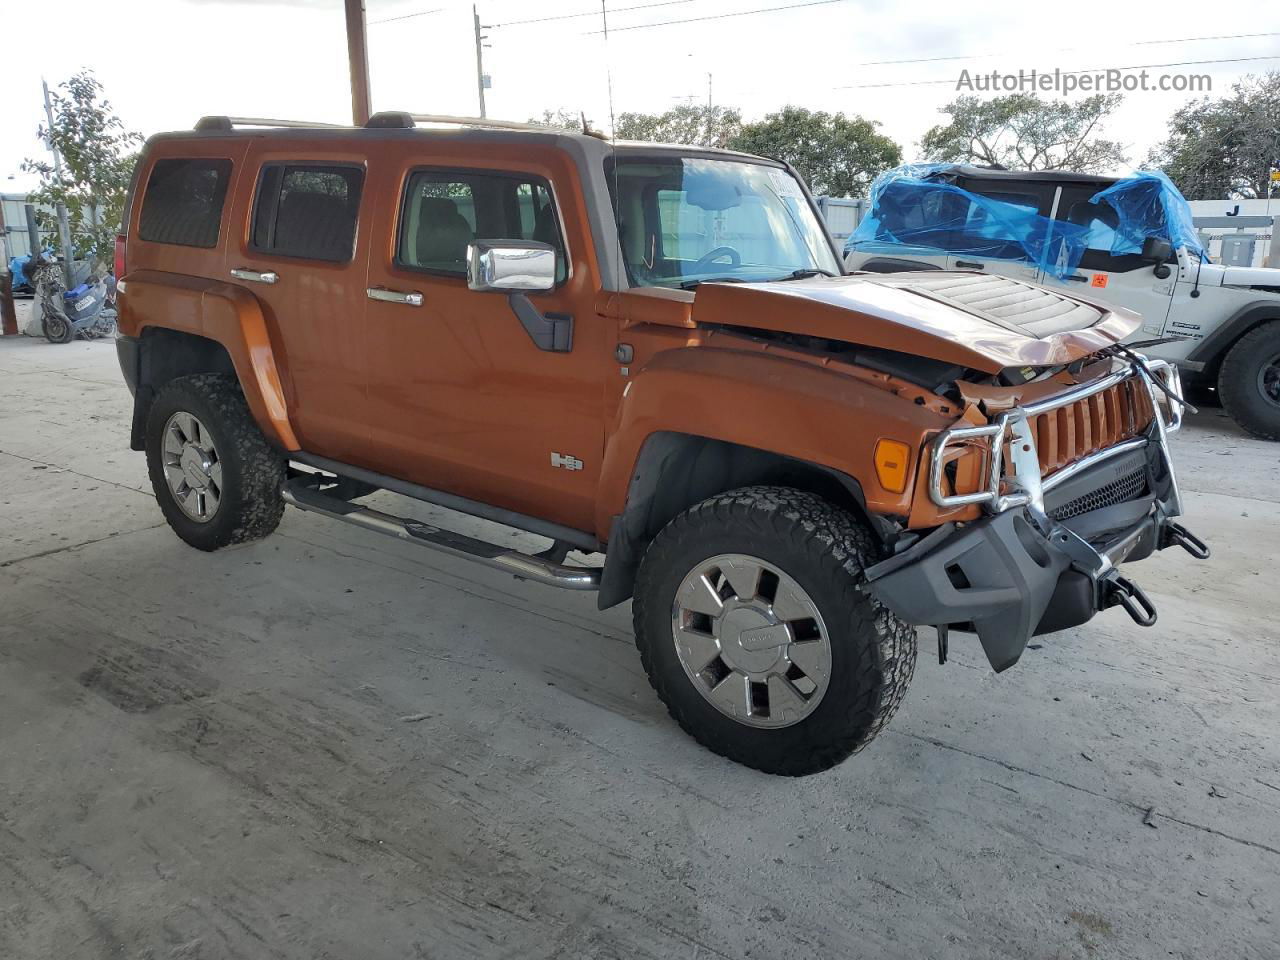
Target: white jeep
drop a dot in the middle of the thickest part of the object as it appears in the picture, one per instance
(1228, 317)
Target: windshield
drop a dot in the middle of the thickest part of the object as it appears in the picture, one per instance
(684, 221)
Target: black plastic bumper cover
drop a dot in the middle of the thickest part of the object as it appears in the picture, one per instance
(1008, 582)
(998, 574)
(129, 353)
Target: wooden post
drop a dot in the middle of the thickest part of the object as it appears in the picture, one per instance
(358, 55)
(8, 315)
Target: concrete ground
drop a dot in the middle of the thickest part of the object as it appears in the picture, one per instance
(334, 745)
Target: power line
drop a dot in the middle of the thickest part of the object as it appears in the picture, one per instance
(1135, 43)
(407, 16)
(1225, 36)
(1065, 73)
(590, 13)
(718, 16)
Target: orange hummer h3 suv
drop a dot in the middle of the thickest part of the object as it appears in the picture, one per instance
(651, 353)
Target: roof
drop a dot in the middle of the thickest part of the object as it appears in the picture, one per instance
(1039, 176)
(396, 125)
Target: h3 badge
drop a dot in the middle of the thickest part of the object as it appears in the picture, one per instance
(565, 462)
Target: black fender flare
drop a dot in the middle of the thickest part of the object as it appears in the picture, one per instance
(1215, 345)
(674, 471)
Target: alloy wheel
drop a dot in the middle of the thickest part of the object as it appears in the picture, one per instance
(1269, 381)
(192, 467)
(751, 640)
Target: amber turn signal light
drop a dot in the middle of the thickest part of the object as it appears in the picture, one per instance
(892, 459)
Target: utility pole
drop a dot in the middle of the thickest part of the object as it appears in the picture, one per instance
(64, 229)
(708, 92)
(480, 77)
(358, 56)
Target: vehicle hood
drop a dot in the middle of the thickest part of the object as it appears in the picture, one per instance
(1247, 276)
(976, 320)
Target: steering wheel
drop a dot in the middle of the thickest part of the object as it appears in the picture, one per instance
(711, 256)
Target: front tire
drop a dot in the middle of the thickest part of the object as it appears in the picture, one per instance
(755, 630)
(57, 329)
(214, 474)
(1249, 381)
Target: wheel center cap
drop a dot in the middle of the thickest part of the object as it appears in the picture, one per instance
(750, 639)
(195, 466)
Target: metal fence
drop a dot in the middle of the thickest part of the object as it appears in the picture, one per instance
(842, 215)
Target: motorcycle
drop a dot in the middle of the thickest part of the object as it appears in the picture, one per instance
(87, 311)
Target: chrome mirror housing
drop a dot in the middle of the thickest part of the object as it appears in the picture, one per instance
(511, 266)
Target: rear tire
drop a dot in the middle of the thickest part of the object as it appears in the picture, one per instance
(201, 438)
(1249, 381)
(812, 554)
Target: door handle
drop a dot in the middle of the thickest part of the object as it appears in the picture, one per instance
(1076, 278)
(412, 298)
(257, 276)
(969, 265)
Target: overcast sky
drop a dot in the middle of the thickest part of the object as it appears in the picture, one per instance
(166, 62)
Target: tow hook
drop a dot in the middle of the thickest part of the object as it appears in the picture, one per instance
(1188, 541)
(1121, 591)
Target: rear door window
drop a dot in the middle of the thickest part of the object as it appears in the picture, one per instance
(307, 211)
(444, 211)
(183, 201)
(1031, 196)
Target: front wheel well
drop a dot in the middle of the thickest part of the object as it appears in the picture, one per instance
(1213, 349)
(675, 471)
(164, 355)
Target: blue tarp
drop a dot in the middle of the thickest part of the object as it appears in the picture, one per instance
(18, 268)
(1149, 205)
(910, 206)
(913, 205)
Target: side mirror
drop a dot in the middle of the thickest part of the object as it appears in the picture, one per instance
(511, 266)
(1156, 250)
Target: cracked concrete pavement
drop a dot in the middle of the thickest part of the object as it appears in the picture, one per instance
(333, 745)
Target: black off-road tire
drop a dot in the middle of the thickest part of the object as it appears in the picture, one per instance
(253, 471)
(1238, 381)
(824, 549)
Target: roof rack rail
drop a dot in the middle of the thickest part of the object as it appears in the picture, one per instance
(396, 119)
(229, 123)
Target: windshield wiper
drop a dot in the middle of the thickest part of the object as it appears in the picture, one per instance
(690, 284)
(805, 273)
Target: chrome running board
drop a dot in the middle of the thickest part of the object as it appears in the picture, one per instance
(304, 493)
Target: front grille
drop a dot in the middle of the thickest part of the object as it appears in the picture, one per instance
(1129, 487)
(1068, 433)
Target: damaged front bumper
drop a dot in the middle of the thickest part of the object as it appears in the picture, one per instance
(1046, 556)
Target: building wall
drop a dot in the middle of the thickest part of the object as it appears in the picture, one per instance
(15, 223)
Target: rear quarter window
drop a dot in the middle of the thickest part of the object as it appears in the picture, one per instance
(183, 201)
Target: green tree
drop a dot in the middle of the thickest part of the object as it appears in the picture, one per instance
(1225, 147)
(689, 124)
(836, 155)
(561, 119)
(1023, 132)
(98, 155)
